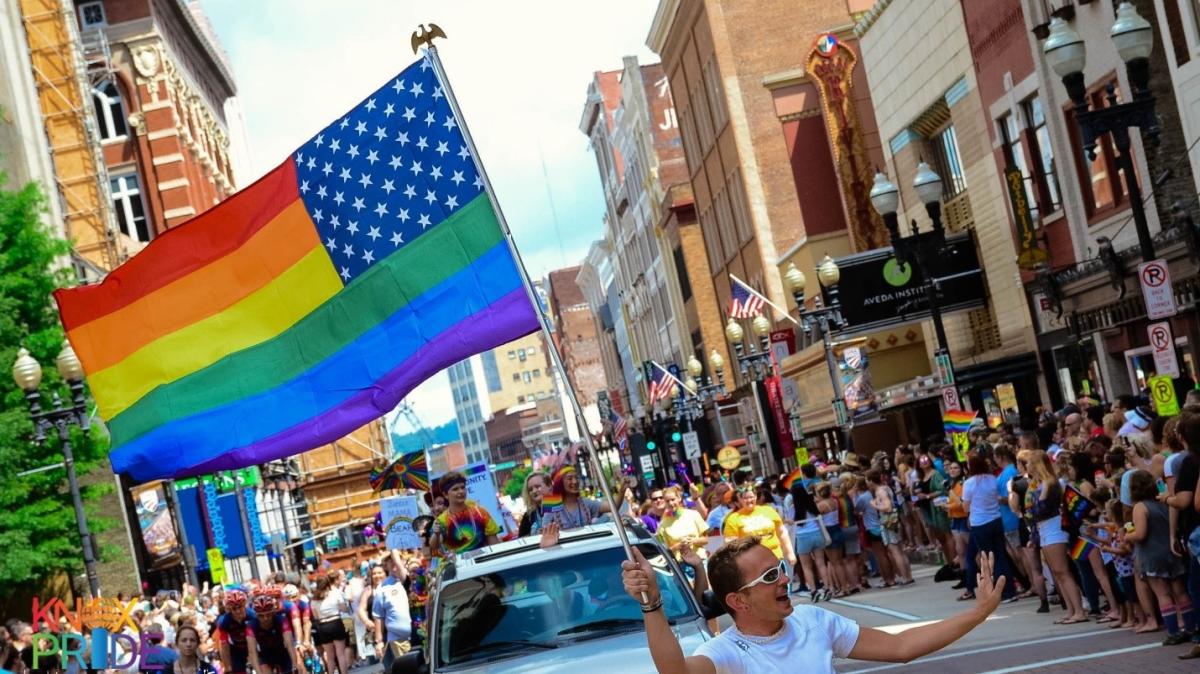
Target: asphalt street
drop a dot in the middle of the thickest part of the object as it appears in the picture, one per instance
(1014, 639)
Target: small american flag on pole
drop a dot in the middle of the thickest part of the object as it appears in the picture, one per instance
(620, 430)
(660, 383)
(744, 302)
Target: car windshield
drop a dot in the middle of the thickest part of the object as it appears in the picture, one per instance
(547, 605)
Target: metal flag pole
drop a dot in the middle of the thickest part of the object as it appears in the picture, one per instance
(763, 297)
(673, 377)
(551, 347)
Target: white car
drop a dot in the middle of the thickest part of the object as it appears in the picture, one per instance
(517, 608)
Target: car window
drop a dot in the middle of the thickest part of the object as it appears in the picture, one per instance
(548, 604)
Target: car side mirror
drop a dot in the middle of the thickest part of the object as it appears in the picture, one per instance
(710, 608)
(412, 662)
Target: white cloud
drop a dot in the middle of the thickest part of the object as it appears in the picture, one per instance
(520, 71)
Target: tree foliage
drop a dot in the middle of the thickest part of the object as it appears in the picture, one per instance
(516, 482)
(38, 534)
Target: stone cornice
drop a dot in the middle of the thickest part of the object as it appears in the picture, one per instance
(660, 28)
(872, 15)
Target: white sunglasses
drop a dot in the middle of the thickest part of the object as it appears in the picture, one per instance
(770, 576)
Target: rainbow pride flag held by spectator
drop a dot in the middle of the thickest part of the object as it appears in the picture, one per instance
(309, 303)
(957, 421)
(1082, 548)
(791, 478)
(1075, 503)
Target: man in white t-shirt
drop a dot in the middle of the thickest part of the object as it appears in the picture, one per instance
(770, 636)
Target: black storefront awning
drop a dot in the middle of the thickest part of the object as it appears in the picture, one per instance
(994, 372)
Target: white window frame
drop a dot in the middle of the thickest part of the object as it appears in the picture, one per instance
(93, 4)
(104, 105)
(121, 201)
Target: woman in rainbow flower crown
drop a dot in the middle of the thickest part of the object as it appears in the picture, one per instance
(464, 525)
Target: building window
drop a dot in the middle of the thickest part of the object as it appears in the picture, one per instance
(91, 14)
(741, 214)
(947, 161)
(712, 242)
(512, 355)
(531, 350)
(520, 399)
(685, 284)
(521, 355)
(716, 96)
(1014, 156)
(1103, 192)
(516, 376)
(110, 114)
(537, 374)
(1043, 153)
(526, 377)
(127, 202)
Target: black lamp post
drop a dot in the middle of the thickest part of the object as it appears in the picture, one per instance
(825, 317)
(27, 373)
(755, 365)
(924, 249)
(1134, 39)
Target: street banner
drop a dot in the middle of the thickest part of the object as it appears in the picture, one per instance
(1018, 197)
(787, 444)
(481, 488)
(397, 514)
(154, 519)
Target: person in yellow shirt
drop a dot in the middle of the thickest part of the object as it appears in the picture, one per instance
(682, 528)
(751, 519)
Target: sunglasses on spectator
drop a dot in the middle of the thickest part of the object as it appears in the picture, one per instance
(770, 576)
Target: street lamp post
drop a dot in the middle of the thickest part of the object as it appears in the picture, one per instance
(1134, 39)
(27, 373)
(755, 365)
(924, 249)
(825, 317)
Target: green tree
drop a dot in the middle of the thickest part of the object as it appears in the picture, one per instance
(516, 482)
(38, 534)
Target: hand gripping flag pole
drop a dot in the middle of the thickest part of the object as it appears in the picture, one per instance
(533, 298)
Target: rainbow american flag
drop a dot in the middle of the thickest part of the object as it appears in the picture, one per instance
(958, 421)
(791, 478)
(309, 303)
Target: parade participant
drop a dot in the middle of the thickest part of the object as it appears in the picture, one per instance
(1164, 571)
(652, 510)
(464, 525)
(959, 528)
(389, 607)
(761, 521)
(770, 635)
(270, 641)
(576, 510)
(852, 562)
(329, 606)
(1184, 500)
(831, 518)
(719, 507)
(535, 485)
(299, 611)
(682, 529)
(1043, 508)
(231, 633)
(930, 487)
(187, 645)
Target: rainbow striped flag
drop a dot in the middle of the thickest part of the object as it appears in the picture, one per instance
(552, 502)
(309, 303)
(958, 421)
(791, 478)
(1082, 548)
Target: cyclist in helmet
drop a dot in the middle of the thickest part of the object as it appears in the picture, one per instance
(232, 631)
(297, 608)
(269, 641)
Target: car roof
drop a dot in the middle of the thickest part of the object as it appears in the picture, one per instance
(521, 551)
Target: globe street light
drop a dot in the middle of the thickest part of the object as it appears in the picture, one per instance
(755, 365)
(1134, 39)
(27, 373)
(824, 318)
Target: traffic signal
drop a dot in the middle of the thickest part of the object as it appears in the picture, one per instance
(676, 436)
(651, 445)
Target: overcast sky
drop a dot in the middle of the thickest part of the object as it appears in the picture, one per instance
(520, 70)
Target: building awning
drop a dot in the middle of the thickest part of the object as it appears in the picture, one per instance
(996, 372)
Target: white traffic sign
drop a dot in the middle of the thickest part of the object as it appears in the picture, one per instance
(1162, 343)
(950, 398)
(647, 464)
(1156, 289)
(691, 445)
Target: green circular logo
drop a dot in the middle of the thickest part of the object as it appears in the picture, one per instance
(895, 274)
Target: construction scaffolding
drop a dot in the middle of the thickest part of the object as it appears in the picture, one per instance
(66, 67)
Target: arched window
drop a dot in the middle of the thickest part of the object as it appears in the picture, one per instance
(110, 113)
(127, 202)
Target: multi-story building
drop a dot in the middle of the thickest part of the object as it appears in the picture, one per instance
(779, 149)
(518, 372)
(578, 343)
(471, 406)
(928, 101)
(630, 122)
(1089, 313)
(597, 281)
